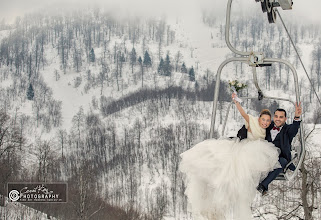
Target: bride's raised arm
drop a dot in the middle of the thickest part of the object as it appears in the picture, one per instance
(239, 107)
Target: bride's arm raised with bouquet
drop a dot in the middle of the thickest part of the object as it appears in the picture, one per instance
(239, 107)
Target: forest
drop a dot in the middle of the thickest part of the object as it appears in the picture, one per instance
(149, 100)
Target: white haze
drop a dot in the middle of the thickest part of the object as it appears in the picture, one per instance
(191, 9)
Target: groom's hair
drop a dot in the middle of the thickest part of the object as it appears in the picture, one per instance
(281, 110)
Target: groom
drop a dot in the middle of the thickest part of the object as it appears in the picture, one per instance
(281, 135)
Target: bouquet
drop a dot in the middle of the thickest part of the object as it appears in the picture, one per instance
(236, 86)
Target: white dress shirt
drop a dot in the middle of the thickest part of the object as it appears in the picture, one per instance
(274, 133)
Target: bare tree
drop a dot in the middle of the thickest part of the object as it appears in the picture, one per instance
(81, 192)
(78, 126)
(178, 59)
(11, 141)
(103, 75)
(62, 137)
(10, 137)
(310, 170)
(45, 157)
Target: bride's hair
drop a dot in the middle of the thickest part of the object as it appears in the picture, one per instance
(265, 112)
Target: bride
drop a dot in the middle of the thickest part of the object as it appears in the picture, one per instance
(222, 174)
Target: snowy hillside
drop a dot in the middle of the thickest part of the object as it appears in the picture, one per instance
(18, 211)
(107, 104)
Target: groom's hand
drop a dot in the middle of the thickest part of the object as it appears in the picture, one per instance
(298, 110)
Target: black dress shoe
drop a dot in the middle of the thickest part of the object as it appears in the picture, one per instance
(262, 189)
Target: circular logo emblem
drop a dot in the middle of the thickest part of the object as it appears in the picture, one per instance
(14, 195)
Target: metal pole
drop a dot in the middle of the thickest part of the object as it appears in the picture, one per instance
(217, 88)
(218, 76)
(227, 31)
(255, 79)
(226, 115)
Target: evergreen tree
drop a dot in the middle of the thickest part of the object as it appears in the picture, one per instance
(183, 68)
(142, 69)
(30, 93)
(122, 58)
(147, 59)
(167, 66)
(140, 60)
(120, 62)
(197, 86)
(161, 67)
(133, 58)
(92, 57)
(191, 74)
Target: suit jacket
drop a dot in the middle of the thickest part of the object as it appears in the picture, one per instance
(242, 133)
(284, 139)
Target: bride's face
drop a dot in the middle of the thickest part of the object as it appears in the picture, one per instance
(264, 121)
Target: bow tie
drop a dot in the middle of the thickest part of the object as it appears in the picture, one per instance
(275, 128)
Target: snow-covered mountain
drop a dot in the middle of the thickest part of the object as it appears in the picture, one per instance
(111, 102)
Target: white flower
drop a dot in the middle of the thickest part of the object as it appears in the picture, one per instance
(233, 83)
(239, 85)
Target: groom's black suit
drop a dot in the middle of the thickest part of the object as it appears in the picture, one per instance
(283, 141)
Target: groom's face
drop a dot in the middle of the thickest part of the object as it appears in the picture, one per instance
(279, 118)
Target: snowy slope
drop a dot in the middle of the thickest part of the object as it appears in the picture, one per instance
(203, 48)
(15, 210)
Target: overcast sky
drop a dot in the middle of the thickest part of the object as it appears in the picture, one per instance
(301, 9)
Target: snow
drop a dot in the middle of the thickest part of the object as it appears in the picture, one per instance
(198, 36)
(193, 37)
(4, 33)
(15, 210)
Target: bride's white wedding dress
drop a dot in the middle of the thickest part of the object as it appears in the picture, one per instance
(222, 175)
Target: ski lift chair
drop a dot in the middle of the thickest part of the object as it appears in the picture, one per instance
(255, 60)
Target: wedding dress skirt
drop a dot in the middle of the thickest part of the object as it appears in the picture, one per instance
(222, 175)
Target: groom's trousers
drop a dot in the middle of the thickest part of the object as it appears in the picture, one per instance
(273, 174)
